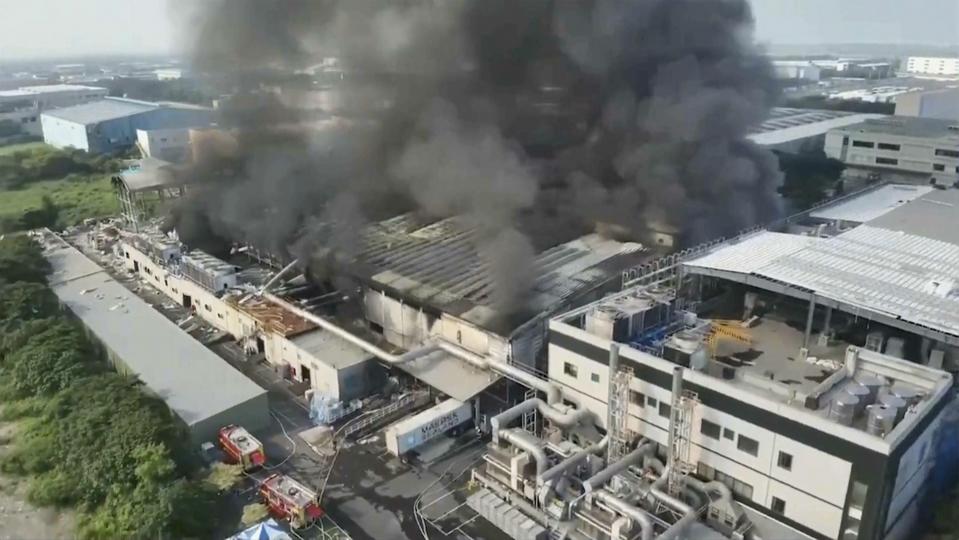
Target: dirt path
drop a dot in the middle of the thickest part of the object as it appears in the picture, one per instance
(19, 520)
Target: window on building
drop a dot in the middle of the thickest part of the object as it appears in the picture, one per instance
(947, 153)
(664, 409)
(886, 161)
(570, 369)
(750, 446)
(785, 461)
(938, 167)
(863, 144)
(778, 505)
(219, 315)
(207, 307)
(705, 471)
(889, 146)
(738, 487)
(729, 434)
(594, 377)
(709, 429)
(651, 402)
(637, 398)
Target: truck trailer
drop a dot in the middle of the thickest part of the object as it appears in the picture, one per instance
(414, 431)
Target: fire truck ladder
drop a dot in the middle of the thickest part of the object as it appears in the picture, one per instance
(681, 426)
(618, 413)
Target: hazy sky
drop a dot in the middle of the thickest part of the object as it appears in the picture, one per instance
(37, 28)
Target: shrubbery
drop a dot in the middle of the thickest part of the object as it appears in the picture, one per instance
(89, 437)
(45, 163)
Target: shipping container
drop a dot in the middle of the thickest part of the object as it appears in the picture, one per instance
(416, 430)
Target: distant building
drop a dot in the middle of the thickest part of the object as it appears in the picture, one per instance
(943, 104)
(794, 130)
(112, 123)
(899, 148)
(925, 65)
(797, 70)
(24, 105)
(878, 94)
(168, 74)
(171, 145)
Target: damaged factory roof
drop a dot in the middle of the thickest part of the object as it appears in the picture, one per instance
(441, 265)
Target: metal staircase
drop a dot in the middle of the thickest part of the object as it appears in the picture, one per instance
(681, 427)
(529, 418)
(618, 413)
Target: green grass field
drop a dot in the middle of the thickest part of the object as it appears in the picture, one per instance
(9, 149)
(79, 197)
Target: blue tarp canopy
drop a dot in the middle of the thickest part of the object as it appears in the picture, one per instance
(267, 530)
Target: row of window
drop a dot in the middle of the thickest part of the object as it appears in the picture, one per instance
(572, 370)
(942, 152)
(882, 146)
(738, 487)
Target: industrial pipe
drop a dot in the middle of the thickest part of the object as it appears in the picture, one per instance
(573, 460)
(528, 443)
(634, 513)
(600, 479)
(562, 419)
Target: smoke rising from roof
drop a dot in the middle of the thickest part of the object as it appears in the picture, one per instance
(533, 119)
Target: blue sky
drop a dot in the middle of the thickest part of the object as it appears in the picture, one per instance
(38, 28)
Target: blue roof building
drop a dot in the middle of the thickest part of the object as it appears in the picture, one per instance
(111, 124)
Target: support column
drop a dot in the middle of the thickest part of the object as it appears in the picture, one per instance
(824, 334)
(809, 319)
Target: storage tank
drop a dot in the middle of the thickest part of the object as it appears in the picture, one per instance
(894, 402)
(843, 408)
(871, 382)
(880, 419)
(907, 393)
(861, 393)
(412, 432)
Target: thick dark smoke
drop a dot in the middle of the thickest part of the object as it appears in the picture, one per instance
(532, 119)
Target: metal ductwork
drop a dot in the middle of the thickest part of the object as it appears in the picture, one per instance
(573, 460)
(527, 442)
(634, 513)
(565, 420)
(601, 478)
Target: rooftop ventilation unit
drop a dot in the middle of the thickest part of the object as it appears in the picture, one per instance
(209, 272)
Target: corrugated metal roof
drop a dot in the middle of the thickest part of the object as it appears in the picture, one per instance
(754, 252)
(195, 383)
(803, 124)
(905, 276)
(871, 205)
(442, 264)
(100, 111)
(934, 215)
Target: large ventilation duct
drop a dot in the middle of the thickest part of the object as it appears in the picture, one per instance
(564, 420)
(634, 513)
(573, 460)
(601, 478)
(527, 442)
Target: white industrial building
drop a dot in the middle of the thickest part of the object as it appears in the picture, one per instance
(201, 388)
(912, 149)
(794, 130)
(877, 94)
(171, 145)
(942, 103)
(926, 65)
(778, 385)
(803, 70)
(24, 105)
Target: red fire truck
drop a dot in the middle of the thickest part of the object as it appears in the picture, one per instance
(241, 447)
(291, 500)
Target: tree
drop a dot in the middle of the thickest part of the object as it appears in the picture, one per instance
(808, 176)
(21, 259)
(48, 215)
(21, 302)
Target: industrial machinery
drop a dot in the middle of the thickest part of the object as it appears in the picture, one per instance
(290, 500)
(241, 447)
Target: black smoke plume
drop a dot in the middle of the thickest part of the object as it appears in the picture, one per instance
(532, 119)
